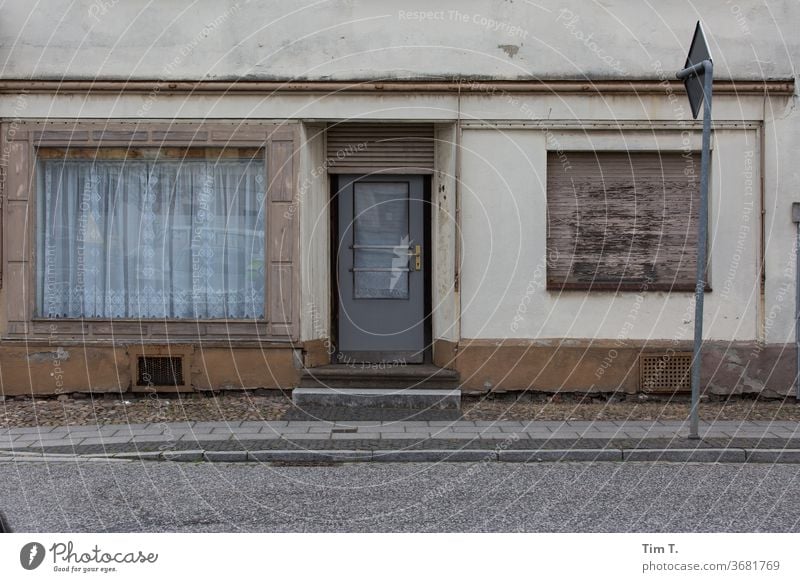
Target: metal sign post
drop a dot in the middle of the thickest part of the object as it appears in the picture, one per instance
(796, 220)
(697, 76)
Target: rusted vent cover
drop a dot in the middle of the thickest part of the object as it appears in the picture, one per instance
(665, 372)
(159, 371)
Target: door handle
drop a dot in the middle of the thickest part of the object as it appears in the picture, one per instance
(417, 254)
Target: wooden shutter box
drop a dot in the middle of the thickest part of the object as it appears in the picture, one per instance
(365, 148)
(622, 220)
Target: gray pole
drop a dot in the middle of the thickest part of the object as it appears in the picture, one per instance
(796, 219)
(702, 240)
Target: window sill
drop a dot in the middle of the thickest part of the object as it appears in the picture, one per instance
(142, 320)
(154, 329)
(623, 287)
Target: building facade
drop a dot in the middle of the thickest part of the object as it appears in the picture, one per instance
(230, 196)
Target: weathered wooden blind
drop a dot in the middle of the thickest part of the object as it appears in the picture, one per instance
(620, 220)
(363, 148)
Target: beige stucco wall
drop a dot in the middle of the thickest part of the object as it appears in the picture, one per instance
(356, 39)
(505, 205)
(781, 188)
(501, 177)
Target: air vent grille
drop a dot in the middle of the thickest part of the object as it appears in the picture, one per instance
(665, 372)
(159, 371)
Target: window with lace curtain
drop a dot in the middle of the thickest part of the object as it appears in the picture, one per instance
(150, 233)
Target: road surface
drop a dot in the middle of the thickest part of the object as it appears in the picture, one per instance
(408, 497)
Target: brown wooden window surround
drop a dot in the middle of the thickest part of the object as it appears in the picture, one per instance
(622, 220)
(271, 147)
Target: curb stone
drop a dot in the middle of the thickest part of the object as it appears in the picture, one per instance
(686, 455)
(561, 455)
(321, 456)
(434, 456)
(773, 455)
(225, 456)
(730, 455)
(143, 456)
(183, 456)
(62, 459)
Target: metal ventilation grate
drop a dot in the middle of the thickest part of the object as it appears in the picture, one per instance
(159, 371)
(666, 372)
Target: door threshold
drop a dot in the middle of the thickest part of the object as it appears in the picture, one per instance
(371, 358)
(377, 376)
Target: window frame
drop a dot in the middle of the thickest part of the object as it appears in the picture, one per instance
(576, 145)
(104, 152)
(281, 272)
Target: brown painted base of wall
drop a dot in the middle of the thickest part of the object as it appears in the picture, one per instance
(611, 365)
(444, 353)
(48, 370)
(317, 353)
(484, 365)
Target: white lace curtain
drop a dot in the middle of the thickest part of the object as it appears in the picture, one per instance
(150, 239)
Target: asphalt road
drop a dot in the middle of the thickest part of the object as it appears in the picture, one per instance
(593, 497)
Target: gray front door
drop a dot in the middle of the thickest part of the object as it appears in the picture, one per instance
(380, 260)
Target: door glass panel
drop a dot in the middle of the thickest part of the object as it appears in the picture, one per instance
(381, 240)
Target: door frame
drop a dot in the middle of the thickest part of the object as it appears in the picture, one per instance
(427, 273)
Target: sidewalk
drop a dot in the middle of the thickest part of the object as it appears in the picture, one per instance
(425, 441)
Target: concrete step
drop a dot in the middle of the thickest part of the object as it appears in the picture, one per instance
(377, 398)
(347, 414)
(397, 377)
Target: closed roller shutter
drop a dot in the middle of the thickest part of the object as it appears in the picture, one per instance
(364, 148)
(619, 220)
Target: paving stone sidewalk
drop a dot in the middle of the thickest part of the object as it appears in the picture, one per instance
(767, 441)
